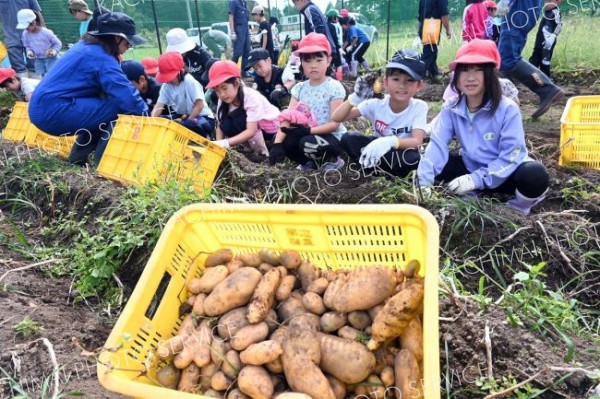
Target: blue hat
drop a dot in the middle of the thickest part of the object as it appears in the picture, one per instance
(133, 69)
(409, 61)
(118, 24)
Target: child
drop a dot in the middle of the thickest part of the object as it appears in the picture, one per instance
(545, 40)
(337, 34)
(150, 66)
(291, 72)
(148, 87)
(266, 36)
(22, 87)
(243, 113)
(399, 120)
(356, 44)
(475, 17)
(267, 78)
(493, 23)
(274, 21)
(183, 94)
(320, 145)
(41, 44)
(196, 59)
(489, 128)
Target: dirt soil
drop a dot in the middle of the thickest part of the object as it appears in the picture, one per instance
(72, 327)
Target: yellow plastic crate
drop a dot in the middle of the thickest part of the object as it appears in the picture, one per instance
(60, 145)
(147, 149)
(331, 236)
(580, 132)
(18, 123)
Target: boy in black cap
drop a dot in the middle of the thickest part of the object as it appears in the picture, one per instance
(267, 80)
(399, 120)
(148, 87)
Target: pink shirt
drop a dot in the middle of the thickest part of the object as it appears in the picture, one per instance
(474, 21)
(257, 107)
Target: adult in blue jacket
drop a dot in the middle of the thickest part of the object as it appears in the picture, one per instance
(315, 21)
(86, 89)
(240, 32)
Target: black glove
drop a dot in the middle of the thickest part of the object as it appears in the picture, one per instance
(277, 154)
(297, 129)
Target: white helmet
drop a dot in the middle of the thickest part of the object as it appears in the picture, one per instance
(24, 18)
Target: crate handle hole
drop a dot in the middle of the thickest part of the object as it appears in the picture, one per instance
(158, 296)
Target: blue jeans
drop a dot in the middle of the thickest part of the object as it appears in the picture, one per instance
(241, 46)
(43, 65)
(520, 20)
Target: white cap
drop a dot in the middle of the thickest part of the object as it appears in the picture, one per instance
(178, 40)
(24, 18)
(258, 10)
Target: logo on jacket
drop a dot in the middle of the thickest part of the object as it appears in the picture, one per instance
(489, 136)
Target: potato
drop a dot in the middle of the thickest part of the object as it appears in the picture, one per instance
(189, 378)
(217, 351)
(313, 303)
(220, 382)
(250, 260)
(290, 259)
(255, 382)
(219, 257)
(231, 322)
(269, 256)
(348, 361)
(407, 375)
(359, 319)
(211, 277)
(361, 391)
(261, 353)
(168, 376)
(206, 374)
(374, 311)
(285, 288)
(338, 387)
(191, 299)
(307, 321)
(264, 296)
(411, 269)
(376, 388)
(283, 271)
(396, 314)
(236, 290)
(272, 320)
(265, 267)
(249, 335)
(237, 394)
(318, 286)
(332, 321)
(275, 367)
(307, 273)
(292, 395)
(198, 308)
(232, 364)
(193, 286)
(211, 393)
(196, 347)
(174, 345)
(348, 332)
(300, 358)
(329, 275)
(279, 335)
(361, 289)
(234, 265)
(412, 338)
(290, 307)
(387, 376)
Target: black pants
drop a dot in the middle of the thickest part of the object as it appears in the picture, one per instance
(531, 177)
(359, 52)
(429, 57)
(397, 163)
(318, 148)
(540, 57)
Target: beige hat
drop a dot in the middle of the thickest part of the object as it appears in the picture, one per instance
(258, 10)
(79, 5)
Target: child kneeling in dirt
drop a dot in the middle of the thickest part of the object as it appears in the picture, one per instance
(243, 113)
(399, 120)
(313, 146)
(489, 129)
(22, 87)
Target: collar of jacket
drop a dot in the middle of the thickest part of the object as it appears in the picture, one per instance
(458, 105)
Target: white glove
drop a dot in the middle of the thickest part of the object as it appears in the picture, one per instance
(233, 36)
(503, 8)
(30, 54)
(51, 52)
(222, 143)
(372, 153)
(426, 192)
(461, 185)
(549, 41)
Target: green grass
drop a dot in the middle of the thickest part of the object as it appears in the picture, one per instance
(572, 52)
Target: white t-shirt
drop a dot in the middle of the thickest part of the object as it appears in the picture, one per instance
(181, 97)
(319, 98)
(386, 123)
(28, 85)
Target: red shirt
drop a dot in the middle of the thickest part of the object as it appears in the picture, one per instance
(474, 20)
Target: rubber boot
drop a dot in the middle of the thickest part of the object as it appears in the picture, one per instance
(353, 68)
(539, 83)
(365, 65)
(524, 204)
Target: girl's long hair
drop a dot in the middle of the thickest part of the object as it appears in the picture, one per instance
(108, 43)
(492, 89)
(224, 108)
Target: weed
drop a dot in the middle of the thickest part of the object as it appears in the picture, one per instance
(17, 391)
(504, 382)
(28, 327)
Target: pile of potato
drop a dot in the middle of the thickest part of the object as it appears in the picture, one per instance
(264, 325)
